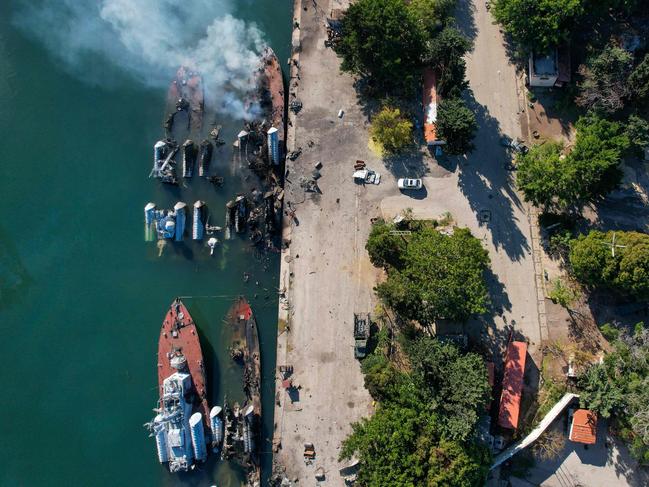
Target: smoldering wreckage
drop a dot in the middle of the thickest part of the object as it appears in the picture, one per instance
(257, 213)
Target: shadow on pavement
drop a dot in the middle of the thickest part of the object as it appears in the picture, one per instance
(415, 194)
(410, 164)
(489, 188)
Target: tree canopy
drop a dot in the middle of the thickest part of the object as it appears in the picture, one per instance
(382, 41)
(639, 81)
(557, 182)
(637, 131)
(453, 384)
(421, 432)
(391, 130)
(538, 24)
(605, 84)
(446, 53)
(456, 125)
(432, 275)
(619, 388)
(626, 272)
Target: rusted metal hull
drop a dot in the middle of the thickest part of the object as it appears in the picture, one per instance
(188, 85)
(272, 86)
(179, 335)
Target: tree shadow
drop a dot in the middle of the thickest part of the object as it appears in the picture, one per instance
(411, 164)
(488, 187)
(465, 19)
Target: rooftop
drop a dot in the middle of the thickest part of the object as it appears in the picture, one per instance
(584, 427)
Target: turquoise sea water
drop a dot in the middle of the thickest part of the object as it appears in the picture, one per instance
(82, 295)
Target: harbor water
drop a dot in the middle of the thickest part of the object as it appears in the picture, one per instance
(82, 295)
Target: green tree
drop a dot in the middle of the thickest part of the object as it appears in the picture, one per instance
(639, 81)
(538, 24)
(619, 387)
(456, 125)
(455, 385)
(587, 173)
(420, 432)
(626, 272)
(381, 41)
(431, 14)
(541, 175)
(600, 392)
(604, 86)
(454, 465)
(391, 130)
(446, 53)
(637, 131)
(383, 247)
(391, 446)
(440, 277)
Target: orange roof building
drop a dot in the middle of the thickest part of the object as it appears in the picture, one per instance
(584, 427)
(430, 108)
(510, 399)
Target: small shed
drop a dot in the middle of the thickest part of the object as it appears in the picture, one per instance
(584, 427)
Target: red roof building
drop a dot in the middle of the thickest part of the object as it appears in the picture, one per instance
(584, 427)
(510, 399)
(430, 108)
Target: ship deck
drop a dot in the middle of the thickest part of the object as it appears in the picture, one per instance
(179, 334)
(275, 85)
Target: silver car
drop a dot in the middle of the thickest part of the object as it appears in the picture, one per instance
(407, 183)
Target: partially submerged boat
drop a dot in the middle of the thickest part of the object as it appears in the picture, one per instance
(205, 157)
(198, 221)
(186, 94)
(164, 224)
(249, 416)
(272, 101)
(189, 158)
(163, 162)
(182, 424)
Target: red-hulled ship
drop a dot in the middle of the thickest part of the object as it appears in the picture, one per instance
(181, 424)
(179, 336)
(272, 88)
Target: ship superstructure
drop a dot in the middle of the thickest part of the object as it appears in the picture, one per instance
(164, 224)
(181, 426)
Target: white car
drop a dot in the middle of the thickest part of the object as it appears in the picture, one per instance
(406, 183)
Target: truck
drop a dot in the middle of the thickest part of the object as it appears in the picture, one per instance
(362, 325)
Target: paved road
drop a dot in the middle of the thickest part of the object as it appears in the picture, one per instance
(480, 184)
(326, 270)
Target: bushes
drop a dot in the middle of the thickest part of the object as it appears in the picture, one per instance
(625, 273)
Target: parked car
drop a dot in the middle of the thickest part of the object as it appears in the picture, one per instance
(407, 183)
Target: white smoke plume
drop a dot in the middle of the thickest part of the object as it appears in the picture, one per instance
(150, 39)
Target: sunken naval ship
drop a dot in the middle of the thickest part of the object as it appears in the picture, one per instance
(182, 427)
(186, 95)
(271, 88)
(242, 423)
